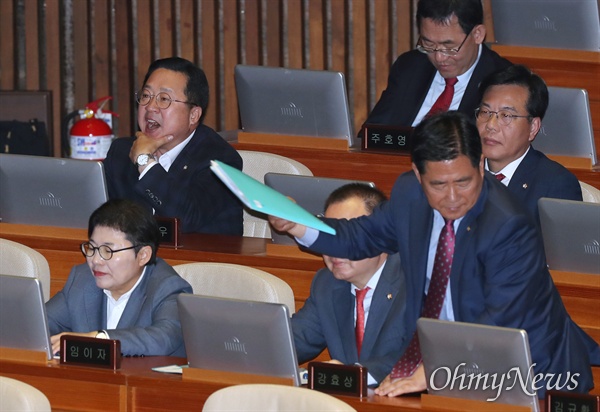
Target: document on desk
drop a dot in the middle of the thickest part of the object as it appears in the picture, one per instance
(263, 199)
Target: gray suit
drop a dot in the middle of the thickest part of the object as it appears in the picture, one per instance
(149, 324)
(327, 320)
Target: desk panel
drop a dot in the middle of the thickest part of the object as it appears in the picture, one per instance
(580, 292)
(382, 169)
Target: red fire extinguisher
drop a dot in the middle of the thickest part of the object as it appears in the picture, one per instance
(91, 136)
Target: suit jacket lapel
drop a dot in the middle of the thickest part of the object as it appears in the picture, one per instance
(390, 284)
(520, 179)
(421, 224)
(94, 298)
(343, 303)
(136, 300)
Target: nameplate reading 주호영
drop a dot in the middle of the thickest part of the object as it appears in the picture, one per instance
(383, 138)
(338, 379)
(93, 352)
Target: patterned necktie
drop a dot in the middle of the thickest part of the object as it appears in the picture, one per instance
(442, 104)
(436, 293)
(359, 329)
(500, 177)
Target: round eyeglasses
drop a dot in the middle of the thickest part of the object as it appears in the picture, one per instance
(163, 100)
(105, 252)
(446, 52)
(504, 117)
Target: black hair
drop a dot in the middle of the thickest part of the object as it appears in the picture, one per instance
(468, 12)
(519, 75)
(196, 89)
(135, 221)
(370, 196)
(445, 136)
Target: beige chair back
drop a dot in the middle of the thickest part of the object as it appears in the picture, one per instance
(20, 260)
(227, 280)
(273, 398)
(20, 396)
(589, 192)
(256, 165)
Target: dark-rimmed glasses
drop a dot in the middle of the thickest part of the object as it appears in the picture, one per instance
(504, 117)
(105, 252)
(446, 52)
(163, 100)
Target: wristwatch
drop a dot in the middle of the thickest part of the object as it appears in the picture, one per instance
(144, 159)
(101, 335)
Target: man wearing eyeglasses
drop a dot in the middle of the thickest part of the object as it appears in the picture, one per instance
(509, 117)
(123, 291)
(448, 64)
(166, 167)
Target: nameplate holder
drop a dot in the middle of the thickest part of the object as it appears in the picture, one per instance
(22, 355)
(232, 378)
(383, 138)
(92, 352)
(170, 231)
(293, 141)
(350, 380)
(559, 401)
(445, 403)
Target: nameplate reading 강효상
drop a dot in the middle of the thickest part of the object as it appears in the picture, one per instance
(338, 379)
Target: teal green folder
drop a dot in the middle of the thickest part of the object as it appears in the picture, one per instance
(263, 199)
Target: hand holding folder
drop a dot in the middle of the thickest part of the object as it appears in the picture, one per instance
(263, 199)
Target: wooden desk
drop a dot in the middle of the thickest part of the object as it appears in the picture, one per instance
(135, 387)
(382, 169)
(60, 246)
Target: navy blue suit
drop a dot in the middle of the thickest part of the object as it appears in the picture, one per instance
(409, 81)
(150, 322)
(537, 176)
(327, 321)
(499, 274)
(189, 191)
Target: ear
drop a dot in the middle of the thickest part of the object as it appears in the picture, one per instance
(482, 165)
(534, 128)
(414, 168)
(144, 255)
(479, 33)
(195, 114)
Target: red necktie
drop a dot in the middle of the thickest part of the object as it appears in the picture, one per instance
(442, 104)
(436, 293)
(359, 329)
(500, 177)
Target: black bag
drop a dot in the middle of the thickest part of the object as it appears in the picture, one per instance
(28, 137)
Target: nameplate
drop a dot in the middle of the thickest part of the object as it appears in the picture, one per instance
(338, 379)
(93, 352)
(170, 231)
(382, 138)
(557, 401)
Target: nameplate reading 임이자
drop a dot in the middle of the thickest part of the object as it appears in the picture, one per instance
(383, 138)
(93, 352)
(338, 379)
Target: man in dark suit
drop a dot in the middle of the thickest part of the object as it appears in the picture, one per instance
(496, 270)
(331, 315)
(514, 101)
(123, 291)
(167, 166)
(450, 46)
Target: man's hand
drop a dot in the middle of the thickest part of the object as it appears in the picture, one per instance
(144, 144)
(55, 340)
(282, 225)
(414, 383)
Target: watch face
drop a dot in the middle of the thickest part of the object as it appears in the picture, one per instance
(142, 160)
